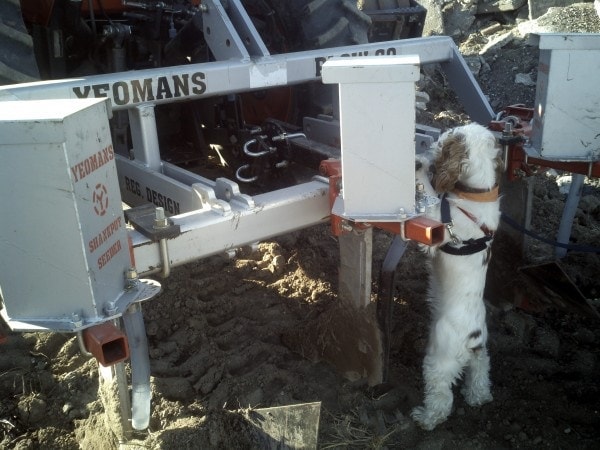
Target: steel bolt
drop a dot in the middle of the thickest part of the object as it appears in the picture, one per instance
(346, 226)
(403, 214)
(420, 198)
(110, 308)
(76, 319)
(420, 191)
(131, 274)
(131, 278)
(160, 221)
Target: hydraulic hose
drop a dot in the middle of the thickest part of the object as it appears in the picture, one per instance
(140, 367)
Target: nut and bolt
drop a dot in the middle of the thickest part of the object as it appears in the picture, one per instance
(420, 193)
(131, 277)
(131, 274)
(345, 226)
(160, 221)
(110, 308)
(76, 320)
(420, 198)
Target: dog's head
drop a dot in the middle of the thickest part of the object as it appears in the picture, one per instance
(469, 155)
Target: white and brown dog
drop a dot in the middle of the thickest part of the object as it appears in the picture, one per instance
(466, 170)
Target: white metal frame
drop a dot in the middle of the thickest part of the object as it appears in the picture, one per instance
(213, 215)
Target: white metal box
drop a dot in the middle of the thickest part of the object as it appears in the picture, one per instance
(63, 243)
(566, 123)
(377, 126)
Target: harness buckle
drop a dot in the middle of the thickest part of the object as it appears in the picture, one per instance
(453, 237)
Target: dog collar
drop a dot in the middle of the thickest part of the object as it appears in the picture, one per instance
(475, 194)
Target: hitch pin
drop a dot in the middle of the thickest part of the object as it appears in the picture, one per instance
(253, 154)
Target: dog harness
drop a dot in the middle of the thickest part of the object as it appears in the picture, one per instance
(470, 246)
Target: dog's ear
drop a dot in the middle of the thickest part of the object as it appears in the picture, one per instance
(451, 161)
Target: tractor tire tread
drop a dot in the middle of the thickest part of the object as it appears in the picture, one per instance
(17, 60)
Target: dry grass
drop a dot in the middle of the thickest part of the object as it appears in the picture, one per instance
(349, 431)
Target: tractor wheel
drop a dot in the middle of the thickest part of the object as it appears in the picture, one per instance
(17, 60)
(326, 24)
(297, 25)
(308, 24)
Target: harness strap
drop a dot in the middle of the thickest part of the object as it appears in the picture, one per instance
(469, 247)
(483, 227)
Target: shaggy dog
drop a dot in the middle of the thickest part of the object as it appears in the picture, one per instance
(466, 170)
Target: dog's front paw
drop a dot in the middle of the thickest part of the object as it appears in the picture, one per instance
(477, 398)
(427, 419)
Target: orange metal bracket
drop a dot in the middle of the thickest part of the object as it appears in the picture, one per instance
(519, 164)
(107, 343)
(421, 229)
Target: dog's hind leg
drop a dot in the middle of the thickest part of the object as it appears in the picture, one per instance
(439, 373)
(476, 389)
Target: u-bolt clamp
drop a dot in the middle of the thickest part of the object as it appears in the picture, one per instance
(248, 152)
(243, 179)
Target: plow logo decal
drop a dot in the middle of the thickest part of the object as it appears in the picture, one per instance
(100, 199)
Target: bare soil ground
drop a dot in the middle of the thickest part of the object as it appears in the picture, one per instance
(219, 348)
